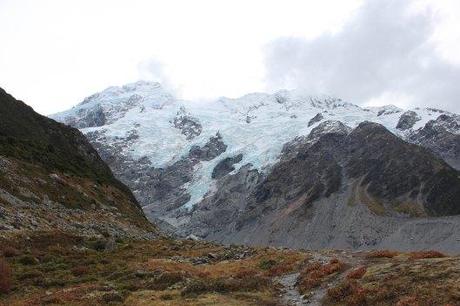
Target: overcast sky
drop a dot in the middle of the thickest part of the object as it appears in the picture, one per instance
(53, 53)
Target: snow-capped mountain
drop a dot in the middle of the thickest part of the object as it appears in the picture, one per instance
(174, 154)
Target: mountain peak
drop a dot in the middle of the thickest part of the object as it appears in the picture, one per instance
(114, 102)
(118, 93)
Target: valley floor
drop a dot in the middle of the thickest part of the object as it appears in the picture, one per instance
(57, 268)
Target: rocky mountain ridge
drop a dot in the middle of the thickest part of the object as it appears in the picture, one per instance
(51, 178)
(188, 163)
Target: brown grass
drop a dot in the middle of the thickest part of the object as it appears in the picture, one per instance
(166, 272)
(5, 277)
(426, 254)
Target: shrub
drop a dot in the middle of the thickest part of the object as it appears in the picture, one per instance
(166, 297)
(30, 275)
(224, 285)
(80, 270)
(28, 260)
(349, 292)
(195, 287)
(267, 264)
(165, 280)
(408, 301)
(314, 274)
(97, 245)
(10, 252)
(426, 254)
(5, 277)
(357, 273)
(112, 297)
(382, 254)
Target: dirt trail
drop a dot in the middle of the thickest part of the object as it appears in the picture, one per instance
(291, 295)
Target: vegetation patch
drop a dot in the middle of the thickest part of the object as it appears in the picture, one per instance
(426, 254)
(6, 280)
(382, 254)
(314, 274)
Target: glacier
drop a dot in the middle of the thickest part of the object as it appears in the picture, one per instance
(256, 125)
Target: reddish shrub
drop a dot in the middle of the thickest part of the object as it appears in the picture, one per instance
(426, 254)
(349, 292)
(408, 301)
(5, 276)
(80, 270)
(357, 273)
(313, 275)
(382, 254)
(245, 272)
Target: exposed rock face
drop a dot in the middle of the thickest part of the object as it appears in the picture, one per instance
(90, 118)
(210, 150)
(161, 190)
(318, 117)
(407, 120)
(188, 125)
(395, 172)
(291, 149)
(225, 166)
(332, 175)
(219, 212)
(441, 136)
(51, 178)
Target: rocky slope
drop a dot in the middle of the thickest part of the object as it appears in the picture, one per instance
(235, 170)
(330, 192)
(52, 178)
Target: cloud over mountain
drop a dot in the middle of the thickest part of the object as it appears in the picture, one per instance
(384, 52)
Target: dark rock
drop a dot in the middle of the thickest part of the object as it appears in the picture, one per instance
(212, 256)
(90, 117)
(386, 172)
(213, 148)
(316, 119)
(441, 136)
(407, 120)
(110, 245)
(188, 125)
(225, 166)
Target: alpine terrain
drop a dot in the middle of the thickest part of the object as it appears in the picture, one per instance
(72, 234)
(284, 169)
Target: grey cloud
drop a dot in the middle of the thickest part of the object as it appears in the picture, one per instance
(384, 49)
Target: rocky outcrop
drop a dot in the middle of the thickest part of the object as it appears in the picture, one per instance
(213, 148)
(407, 120)
(318, 117)
(441, 136)
(225, 166)
(188, 125)
(90, 118)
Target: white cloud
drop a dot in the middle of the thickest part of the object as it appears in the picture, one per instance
(54, 53)
(386, 51)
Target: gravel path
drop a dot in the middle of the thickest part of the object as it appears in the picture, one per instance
(291, 296)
